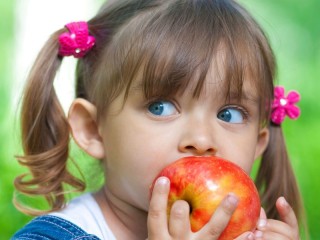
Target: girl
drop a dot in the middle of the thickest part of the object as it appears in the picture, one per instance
(157, 80)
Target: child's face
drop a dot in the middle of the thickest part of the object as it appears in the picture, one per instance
(145, 136)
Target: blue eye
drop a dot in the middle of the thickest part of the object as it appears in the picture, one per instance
(162, 108)
(231, 115)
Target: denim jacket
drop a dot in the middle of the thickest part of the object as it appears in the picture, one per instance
(51, 227)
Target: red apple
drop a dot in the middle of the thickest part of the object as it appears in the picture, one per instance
(203, 182)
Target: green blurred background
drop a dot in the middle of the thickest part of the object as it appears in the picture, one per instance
(294, 31)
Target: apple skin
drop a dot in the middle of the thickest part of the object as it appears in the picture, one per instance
(203, 182)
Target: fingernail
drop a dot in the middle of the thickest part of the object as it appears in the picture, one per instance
(162, 181)
(258, 234)
(250, 236)
(162, 184)
(283, 201)
(232, 199)
(262, 223)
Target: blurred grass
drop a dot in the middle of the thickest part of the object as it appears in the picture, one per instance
(10, 218)
(294, 32)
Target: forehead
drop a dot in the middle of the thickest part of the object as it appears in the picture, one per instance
(171, 52)
(223, 76)
(235, 82)
(229, 71)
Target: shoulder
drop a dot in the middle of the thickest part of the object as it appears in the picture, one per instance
(85, 212)
(50, 227)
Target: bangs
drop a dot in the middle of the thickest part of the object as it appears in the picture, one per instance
(174, 46)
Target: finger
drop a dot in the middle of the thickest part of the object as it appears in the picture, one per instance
(286, 213)
(157, 215)
(263, 214)
(246, 236)
(179, 223)
(277, 227)
(262, 221)
(220, 218)
(270, 236)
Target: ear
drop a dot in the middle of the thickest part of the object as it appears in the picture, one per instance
(82, 119)
(263, 141)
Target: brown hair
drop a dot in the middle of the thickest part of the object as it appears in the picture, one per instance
(164, 44)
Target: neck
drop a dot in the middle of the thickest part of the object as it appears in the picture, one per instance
(124, 220)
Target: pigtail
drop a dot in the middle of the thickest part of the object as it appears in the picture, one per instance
(45, 135)
(276, 177)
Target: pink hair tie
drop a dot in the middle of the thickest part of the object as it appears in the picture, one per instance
(283, 106)
(77, 41)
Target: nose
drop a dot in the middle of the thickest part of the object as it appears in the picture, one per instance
(198, 139)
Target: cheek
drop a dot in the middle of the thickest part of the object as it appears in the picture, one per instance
(143, 146)
(241, 152)
(132, 162)
(245, 161)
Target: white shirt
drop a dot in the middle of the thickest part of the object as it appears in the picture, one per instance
(85, 212)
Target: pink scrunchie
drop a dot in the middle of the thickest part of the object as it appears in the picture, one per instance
(77, 42)
(283, 106)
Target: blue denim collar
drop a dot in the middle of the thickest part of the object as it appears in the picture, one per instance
(50, 227)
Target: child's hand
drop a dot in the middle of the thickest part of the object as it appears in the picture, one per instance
(273, 229)
(179, 224)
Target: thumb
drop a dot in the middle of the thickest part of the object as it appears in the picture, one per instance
(263, 214)
(260, 224)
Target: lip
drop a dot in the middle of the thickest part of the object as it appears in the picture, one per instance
(204, 157)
